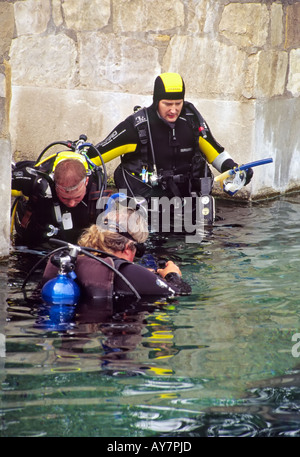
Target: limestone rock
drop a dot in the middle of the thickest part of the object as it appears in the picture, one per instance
(7, 27)
(271, 74)
(87, 15)
(292, 38)
(141, 15)
(276, 24)
(32, 16)
(245, 24)
(294, 73)
(50, 61)
(107, 61)
(208, 67)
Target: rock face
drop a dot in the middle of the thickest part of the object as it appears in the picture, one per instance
(80, 66)
(6, 35)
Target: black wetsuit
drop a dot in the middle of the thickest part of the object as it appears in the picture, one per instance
(42, 211)
(98, 281)
(177, 149)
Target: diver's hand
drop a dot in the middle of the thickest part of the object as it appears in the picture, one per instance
(169, 268)
(249, 175)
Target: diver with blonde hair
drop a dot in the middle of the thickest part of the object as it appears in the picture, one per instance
(118, 237)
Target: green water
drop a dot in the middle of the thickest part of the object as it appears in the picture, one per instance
(216, 363)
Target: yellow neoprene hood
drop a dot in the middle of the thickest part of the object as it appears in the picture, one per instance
(168, 86)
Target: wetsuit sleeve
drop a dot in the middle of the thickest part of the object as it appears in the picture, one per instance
(23, 180)
(122, 140)
(175, 280)
(215, 153)
(148, 283)
(30, 222)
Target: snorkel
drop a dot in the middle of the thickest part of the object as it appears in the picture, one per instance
(234, 179)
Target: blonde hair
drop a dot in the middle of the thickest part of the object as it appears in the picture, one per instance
(107, 236)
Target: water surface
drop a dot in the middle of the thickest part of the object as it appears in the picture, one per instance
(220, 362)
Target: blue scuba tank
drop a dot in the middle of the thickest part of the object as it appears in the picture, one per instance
(61, 290)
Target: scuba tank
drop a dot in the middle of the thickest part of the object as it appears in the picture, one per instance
(62, 290)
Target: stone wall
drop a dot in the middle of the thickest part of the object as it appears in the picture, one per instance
(6, 35)
(80, 66)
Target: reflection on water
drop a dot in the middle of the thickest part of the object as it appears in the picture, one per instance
(216, 363)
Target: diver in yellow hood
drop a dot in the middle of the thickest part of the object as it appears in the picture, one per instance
(165, 148)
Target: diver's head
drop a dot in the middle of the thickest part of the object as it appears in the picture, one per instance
(121, 232)
(70, 178)
(168, 95)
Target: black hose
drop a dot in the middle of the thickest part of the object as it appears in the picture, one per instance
(101, 186)
(102, 162)
(72, 145)
(69, 145)
(38, 263)
(115, 271)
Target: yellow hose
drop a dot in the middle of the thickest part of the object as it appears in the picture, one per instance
(223, 176)
(13, 215)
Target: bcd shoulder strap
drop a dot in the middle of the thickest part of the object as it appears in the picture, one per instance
(200, 126)
(193, 117)
(140, 123)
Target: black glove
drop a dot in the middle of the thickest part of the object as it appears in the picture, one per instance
(249, 174)
(229, 164)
